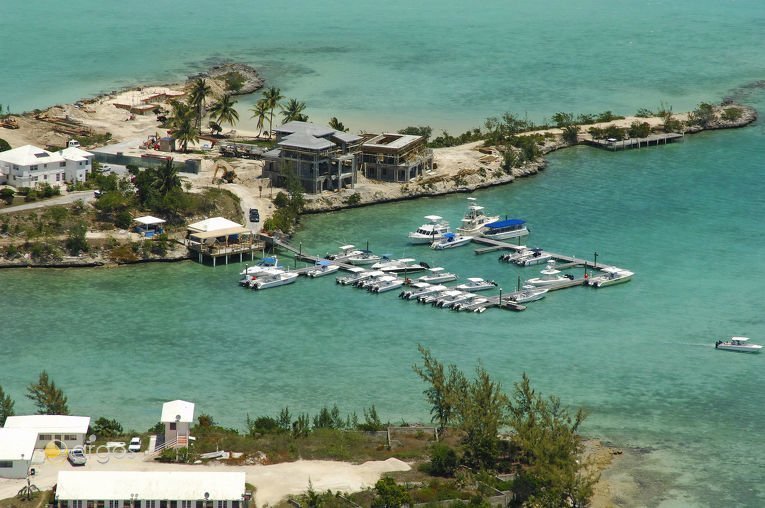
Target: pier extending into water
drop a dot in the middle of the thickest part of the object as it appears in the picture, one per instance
(625, 144)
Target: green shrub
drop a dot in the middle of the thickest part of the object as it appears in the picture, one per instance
(731, 114)
(644, 113)
(443, 461)
(353, 199)
(123, 219)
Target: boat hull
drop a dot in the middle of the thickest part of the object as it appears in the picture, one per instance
(321, 272)
(269, 284)
(507, 234)
(740, 349)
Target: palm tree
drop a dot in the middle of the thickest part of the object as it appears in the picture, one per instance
(167, 179)
(337, 124)
(186, 132)
(272, 96)
(197, 97)
(293, 111)
(224, 111)
(259, 111)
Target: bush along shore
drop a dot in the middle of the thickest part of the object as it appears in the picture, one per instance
(510, 148)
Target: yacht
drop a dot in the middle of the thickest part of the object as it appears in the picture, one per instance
(435, 275)
(430, 232)
(474, 284)
(387, 283)
(323, 267)
(404, 265)
(274, 280)
(528, 294)
(739, 344)
(357, 273)
(550, 277)
(363, 258)
(475, 219)
(504, 229)
(611, 276)
(451, 240)
(346, 251)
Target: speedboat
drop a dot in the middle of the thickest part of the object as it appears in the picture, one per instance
(453, 297)
(474, 219)
(436, 275)
(274, 280)
(473, 305)
(323, 267)
(550, 277)
(357, 273)
(528, 257)
(433, 296)
(611, 276)
(387, 283)
(738, 344)
(404, 265)
(430, 232)
(422, 292)
(373, 277)
(504, 229)
(363, 258)
(529, 293)
(269, 265)
(451, 240)
(474, 284)
(346, 251)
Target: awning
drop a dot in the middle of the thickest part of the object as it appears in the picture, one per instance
(148, 220)
(220, 232)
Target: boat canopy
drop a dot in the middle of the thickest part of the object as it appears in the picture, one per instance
(324, 262)
(347, 247)
(357, 269)
(475, 279)
(406, 260)
(505, 223)
(739, 339)
(433, 218)
(268, 261)
(449, 236)
(437, 269)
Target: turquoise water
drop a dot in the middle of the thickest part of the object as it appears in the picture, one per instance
(686, 218)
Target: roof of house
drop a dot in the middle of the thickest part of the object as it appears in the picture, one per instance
(391, 140)
(75, 154)
(50, 424)
(303, 140)
(213, 224)
(29, 155)
(309, 128)
(346, 137)
(177, 485)
(149, 220)
(175, 408)
(17, 443)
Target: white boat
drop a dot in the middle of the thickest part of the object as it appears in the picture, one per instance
(451, 240)
(374, 276)
(453, 297)
(433, 296)
(474, 284)
(387, 283)
(504, 229)
(550, 277)
(323, 267)
(611, 276)
(404, 265)
(346, 251)
(363, 258)
(738, 344)
(527, 257)
(475, 219)
(473, 305)
(423, 292)
(430, 232)
(435, 275)
(274, 280)
(357, 273)
(529, 293)
(269, 265)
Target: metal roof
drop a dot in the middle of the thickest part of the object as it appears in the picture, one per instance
(149, 220)
(213, 224)
(303, 140)
(175, 408)
(29, 155)
(308, 128)
(17, 443)
(50, 424)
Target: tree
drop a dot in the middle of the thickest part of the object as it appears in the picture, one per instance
(563, 119)
(703, 115)
(439, 389)
(272, 96)
(76, 240)
(49, 399)
(104, 427)
(224, 111)
(259, 111)
(337, 124)
(293, 111)
(6, 194)
(167, 179)
(4, 146)
(197, 97)
(182, 123)
(214, 127)
(6, 406)
(389, 494)
(571, 134)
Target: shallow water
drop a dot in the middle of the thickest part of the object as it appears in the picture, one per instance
(686, 218)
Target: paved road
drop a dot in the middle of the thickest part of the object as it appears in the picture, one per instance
(86, 196)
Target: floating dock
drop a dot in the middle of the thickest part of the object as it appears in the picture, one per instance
(626, 144)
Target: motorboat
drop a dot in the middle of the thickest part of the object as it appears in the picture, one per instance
(505, 229)
(473, 305)
(346, 251)
(527, 257)
(475, 284)
(373, 277)
(435, 275)
(433, 296)
(550, 277)
(357, 273)
(453, 297)
(268, 265)
(323, 267)
(475, 219)
(451, 240)
(274, 280)
(404, 265)
(363, 258)
(738, 344)
(387, 283)
(433, 230)
(610, 276)
(528, 294)
(423, 291)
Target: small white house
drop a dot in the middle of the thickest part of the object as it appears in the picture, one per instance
(69, 431)
(150, 489)
(16, 449)
(177, 415)
(30, 166)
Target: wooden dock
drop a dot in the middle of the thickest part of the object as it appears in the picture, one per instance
(626, 144)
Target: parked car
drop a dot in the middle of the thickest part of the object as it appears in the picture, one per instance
(254, 215)
(77, 457)
(135, 445)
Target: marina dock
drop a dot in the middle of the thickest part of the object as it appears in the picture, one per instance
(626, 144)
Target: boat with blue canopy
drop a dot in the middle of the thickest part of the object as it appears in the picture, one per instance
(504, 229)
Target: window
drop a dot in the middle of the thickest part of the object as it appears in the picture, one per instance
(33, 168)
(58, 177)
(127, 504)
(173, 504)
(75, 504)
(91, 504)
(45, 177)
(45, 437)
(62, 164)
(221, 504)
(172, 426)
(114, 504)
(70, 437)
(6, 464)
(150, 504)
(185, 504)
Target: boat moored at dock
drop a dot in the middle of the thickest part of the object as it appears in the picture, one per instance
(550, 277)
(323, 267)
(475, 219)
(356, 273)
(431, 231)
(475, 284)
(403, 265)
(274, 280)
(363, 258)
(387, 283)
(504, 229)
(346, 252)
(738, 344)
(610, 276)
(529, 293)
(451, 240)
(435, 275)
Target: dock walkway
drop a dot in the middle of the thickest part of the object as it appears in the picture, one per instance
(626, 144)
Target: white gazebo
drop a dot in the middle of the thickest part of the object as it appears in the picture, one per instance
(16, 449)
(149, 226)
(177, 415)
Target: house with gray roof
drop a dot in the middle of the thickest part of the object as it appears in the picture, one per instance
(321, 157)
(396, 157)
